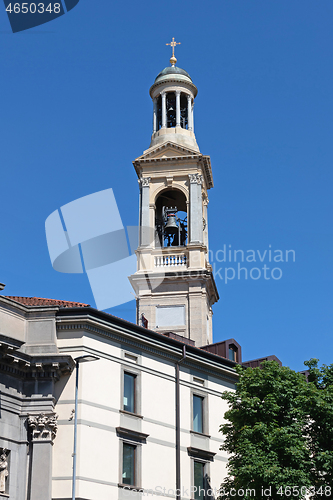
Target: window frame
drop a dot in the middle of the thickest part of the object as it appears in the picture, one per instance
(137, 390)
(205, 415)
(134, 446)
(206, 471)
(133, 376)
(234, 349)
(135, 439)
(196, 397)
(137, 464)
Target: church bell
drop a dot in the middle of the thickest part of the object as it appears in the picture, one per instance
(171, 226)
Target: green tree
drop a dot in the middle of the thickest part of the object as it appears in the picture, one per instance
(320, 427)
(265, 434)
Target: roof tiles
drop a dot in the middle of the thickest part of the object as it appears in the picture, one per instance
(38, 301)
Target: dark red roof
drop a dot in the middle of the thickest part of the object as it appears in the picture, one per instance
(38, 301)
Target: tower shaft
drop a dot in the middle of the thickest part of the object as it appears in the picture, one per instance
(174, 283)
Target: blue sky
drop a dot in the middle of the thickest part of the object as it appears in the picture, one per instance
(75, 113)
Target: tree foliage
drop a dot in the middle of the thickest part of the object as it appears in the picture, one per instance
(279, 433)
(320, 425)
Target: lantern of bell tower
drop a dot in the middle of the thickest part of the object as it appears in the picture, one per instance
(173, 94)
(174, 283)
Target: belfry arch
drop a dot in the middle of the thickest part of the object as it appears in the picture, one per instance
(171, 218)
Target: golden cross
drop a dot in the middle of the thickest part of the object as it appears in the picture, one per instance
(173, 45)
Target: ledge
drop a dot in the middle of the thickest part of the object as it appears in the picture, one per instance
(130, 413)
(130, 487)
(200, 434)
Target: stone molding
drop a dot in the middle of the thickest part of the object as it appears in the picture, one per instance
(43, 426)
(196, 178)
(131, 434)
(202, 454)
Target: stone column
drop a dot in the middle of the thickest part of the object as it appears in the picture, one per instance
(164, 115)
(43, 431)
(192, 108)
(155, 115)
(196, 216)
(178, 108)
(145, 226)
(189, 113)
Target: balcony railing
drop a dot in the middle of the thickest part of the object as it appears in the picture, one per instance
(170, 260)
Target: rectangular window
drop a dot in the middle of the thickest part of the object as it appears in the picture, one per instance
(128, 476)
(232, 354)
(199, 480)
(198, 413)
(129, 392)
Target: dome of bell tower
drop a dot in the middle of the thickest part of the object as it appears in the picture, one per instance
(173, 72)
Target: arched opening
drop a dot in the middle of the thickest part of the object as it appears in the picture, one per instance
(171, 218)
(171, 115)
(183, 111)
(171, 109)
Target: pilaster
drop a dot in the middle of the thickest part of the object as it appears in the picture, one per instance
(145, 239)
(196, 216)
(43, 428)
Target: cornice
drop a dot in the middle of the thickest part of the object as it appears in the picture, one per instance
(207, 169)
(174, 80)
(167, 159)
(24, 366)
(122, 336)
(157, 344)
(165, 145)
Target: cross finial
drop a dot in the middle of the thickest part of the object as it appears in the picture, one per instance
(173, 44)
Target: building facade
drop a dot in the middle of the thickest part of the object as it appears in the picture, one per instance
(128, 435)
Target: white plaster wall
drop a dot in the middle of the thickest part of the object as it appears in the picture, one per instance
(98, 467)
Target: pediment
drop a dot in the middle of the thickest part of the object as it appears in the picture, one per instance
(167, 150)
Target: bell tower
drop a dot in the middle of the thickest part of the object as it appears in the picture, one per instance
(174, 283)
